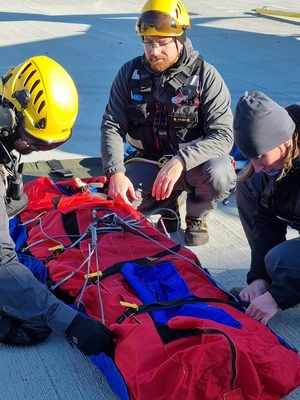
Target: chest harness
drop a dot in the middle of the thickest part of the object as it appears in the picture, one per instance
(157, 127)
(268, 201)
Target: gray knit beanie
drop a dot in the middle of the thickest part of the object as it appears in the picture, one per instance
(260, 125)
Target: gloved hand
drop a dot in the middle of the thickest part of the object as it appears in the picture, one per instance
(90, 336)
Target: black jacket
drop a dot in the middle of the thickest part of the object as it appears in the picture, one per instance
(278, 206)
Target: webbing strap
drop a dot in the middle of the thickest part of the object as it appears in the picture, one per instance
(57, 167)
(116, 268)
(266, 194)
(180, 78)
(162, 305)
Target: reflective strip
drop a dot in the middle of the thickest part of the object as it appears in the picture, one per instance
(135, 74)
(192, 80)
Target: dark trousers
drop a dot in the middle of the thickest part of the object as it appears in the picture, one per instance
(206, 185)
(22, 296)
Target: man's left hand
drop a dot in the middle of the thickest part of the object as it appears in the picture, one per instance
(166, 178)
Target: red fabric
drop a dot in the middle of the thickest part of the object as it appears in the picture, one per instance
(201, 366)
(234, 395)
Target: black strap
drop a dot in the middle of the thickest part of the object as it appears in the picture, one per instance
(162, 305)
(160, 129)
(267, 193)
(57, 167)
(116, 268)
(180, 78)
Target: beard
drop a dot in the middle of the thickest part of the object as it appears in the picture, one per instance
(161, 63)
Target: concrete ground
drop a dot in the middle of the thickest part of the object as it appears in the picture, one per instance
(92, 40)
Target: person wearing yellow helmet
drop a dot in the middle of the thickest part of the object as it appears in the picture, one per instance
(38, 104)
(171, 103)
(38, 107)
(159, 20)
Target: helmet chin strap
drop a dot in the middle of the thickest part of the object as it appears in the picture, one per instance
(181, 38)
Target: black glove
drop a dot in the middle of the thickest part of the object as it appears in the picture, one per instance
(90, 336)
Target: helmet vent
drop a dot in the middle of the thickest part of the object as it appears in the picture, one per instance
(6, 78)
(25, 69)
(40, 93)
(41, 124)
(41, 106)
(35, 85)
(29, 77)
(179, 9)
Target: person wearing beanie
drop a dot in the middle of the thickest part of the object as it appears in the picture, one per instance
(267, 196)
(172, 106)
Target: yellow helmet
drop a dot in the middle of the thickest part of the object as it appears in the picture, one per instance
(44, 98)
(163, 18)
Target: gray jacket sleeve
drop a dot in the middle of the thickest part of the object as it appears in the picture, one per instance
(115, 123)
(217, 116)
(21, 294)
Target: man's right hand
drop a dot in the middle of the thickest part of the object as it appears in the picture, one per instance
(119, 187)
(262, 308)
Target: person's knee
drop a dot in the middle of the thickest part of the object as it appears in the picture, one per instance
(274, 258)
(221, 176)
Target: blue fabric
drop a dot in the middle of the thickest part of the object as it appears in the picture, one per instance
(240, 160)
(35, 265)
(161, 283)
(115, 379)
(19, 235)
(237, 154)
(17, 232)
(109, 369)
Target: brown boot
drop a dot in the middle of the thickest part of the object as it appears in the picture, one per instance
(196, 232)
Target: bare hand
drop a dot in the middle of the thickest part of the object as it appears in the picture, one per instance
(263, 308)
(119, 186)
(255, 289)
(166, 178)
